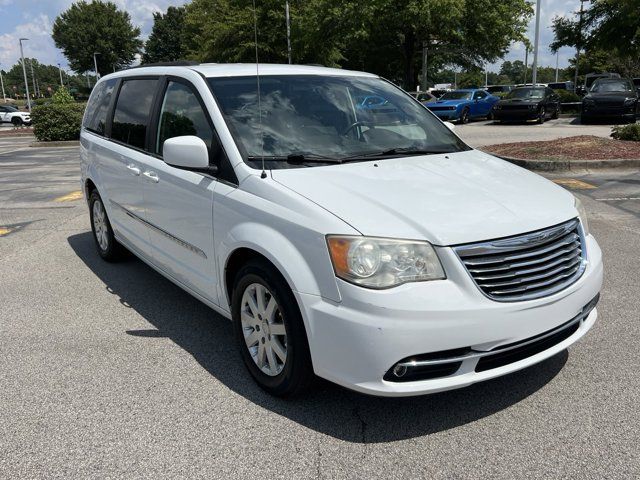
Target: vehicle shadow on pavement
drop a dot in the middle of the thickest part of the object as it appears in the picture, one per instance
(327, 408)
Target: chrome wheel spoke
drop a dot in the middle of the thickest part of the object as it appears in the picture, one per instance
(271, 359)
(270, 309)
(278, 349)
(277, 329)
(252, 338)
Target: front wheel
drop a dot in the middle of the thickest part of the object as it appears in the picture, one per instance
(556, 113)
(542, 115)
(270, 331)
(464, 116)
(17, 121)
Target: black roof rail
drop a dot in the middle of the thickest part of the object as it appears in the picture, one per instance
(176, 63)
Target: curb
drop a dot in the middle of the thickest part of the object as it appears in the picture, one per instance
(554, 166)
(65, 143)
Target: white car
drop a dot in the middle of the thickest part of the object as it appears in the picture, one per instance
(367, 245)
(9, 114)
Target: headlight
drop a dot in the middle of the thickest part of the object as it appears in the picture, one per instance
(383, 262)
(582, 215)
(629, 101)
(533, 107)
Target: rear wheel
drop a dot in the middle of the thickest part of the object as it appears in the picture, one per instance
(106, 244)
(270, 331)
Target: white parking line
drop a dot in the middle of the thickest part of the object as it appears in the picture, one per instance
(617, 199)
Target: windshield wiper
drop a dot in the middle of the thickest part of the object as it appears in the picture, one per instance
(395, 151)
(298, 158)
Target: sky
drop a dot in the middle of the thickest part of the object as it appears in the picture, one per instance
(33, 19)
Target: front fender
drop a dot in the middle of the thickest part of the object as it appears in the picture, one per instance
(297, 269)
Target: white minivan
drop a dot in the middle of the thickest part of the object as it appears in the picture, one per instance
(345, 230)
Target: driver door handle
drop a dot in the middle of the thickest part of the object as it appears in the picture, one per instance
(133, 169)
(152, 176)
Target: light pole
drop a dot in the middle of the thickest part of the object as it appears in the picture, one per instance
(95, 65)
(425, 65)
(60, 72)
(33, 78)
(535, 45)
(526, 61)
(4, 97)
(24, 72)
(557, 63)
(286, 10)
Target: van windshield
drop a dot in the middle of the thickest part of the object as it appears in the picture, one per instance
(327, 117)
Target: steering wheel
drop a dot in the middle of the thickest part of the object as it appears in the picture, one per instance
(352, 126)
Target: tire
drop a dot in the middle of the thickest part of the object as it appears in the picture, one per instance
(282, 377)
(16, 121)
(556, 113)
(541, 117)
(490, 116)
(464, 116)
(106, 244)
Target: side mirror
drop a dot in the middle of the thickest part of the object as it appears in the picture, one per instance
(187, 151)
(450, 126)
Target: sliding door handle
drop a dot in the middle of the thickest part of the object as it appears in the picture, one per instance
(152, 176)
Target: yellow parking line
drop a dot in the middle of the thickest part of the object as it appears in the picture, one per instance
(5, 231)
(69, 197)
(574, 184)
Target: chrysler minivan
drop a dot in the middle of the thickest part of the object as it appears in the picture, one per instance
(367, 245)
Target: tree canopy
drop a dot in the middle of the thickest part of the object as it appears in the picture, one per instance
(381, 36)
(166, 42)
(99, 27)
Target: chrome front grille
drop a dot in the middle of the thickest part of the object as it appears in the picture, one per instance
(527, 266)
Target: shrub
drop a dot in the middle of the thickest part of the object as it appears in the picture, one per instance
(61, 96)
(57, 121)
(567, 96)
(629, 132)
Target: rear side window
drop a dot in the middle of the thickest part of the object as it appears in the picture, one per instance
(182, 114)
(131, 115)
(95, 119)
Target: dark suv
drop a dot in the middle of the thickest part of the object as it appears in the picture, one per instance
(610, 98)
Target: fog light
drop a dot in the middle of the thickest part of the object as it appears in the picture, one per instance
(399, 370)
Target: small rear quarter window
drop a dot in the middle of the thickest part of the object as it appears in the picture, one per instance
(95, 117)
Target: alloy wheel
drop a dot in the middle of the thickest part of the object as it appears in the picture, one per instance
(263, 329)
(100, 225)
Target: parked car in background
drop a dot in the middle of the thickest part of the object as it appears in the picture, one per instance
(610, 98)
(528, 103)
(423, 97)
(463, 105)
(636, 83)
(568, 85)
(377, 251)
(589, 78)
(499, 89)
(438, 92)
(9, 114)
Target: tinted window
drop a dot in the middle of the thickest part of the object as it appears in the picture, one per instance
(606, 86)
(95, 119)
(182, 114)
(131, 116)
(481, 95)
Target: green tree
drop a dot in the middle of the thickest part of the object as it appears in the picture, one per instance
(99, 27)
(381, 36)
(167, 40)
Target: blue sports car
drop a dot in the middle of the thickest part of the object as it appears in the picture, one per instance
(463, 105)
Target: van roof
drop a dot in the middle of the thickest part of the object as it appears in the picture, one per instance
(245, 69)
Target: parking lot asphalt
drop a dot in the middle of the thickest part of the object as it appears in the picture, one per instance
(111, 371)
(486, 132)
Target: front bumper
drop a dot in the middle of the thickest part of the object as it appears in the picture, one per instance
(608, 112)
(515, 115)
(446, 114)
(356, 342)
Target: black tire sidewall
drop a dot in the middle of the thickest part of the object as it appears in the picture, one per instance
(17, 121)
(297, 370)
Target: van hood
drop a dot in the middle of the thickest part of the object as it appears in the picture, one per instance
(444, 199)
